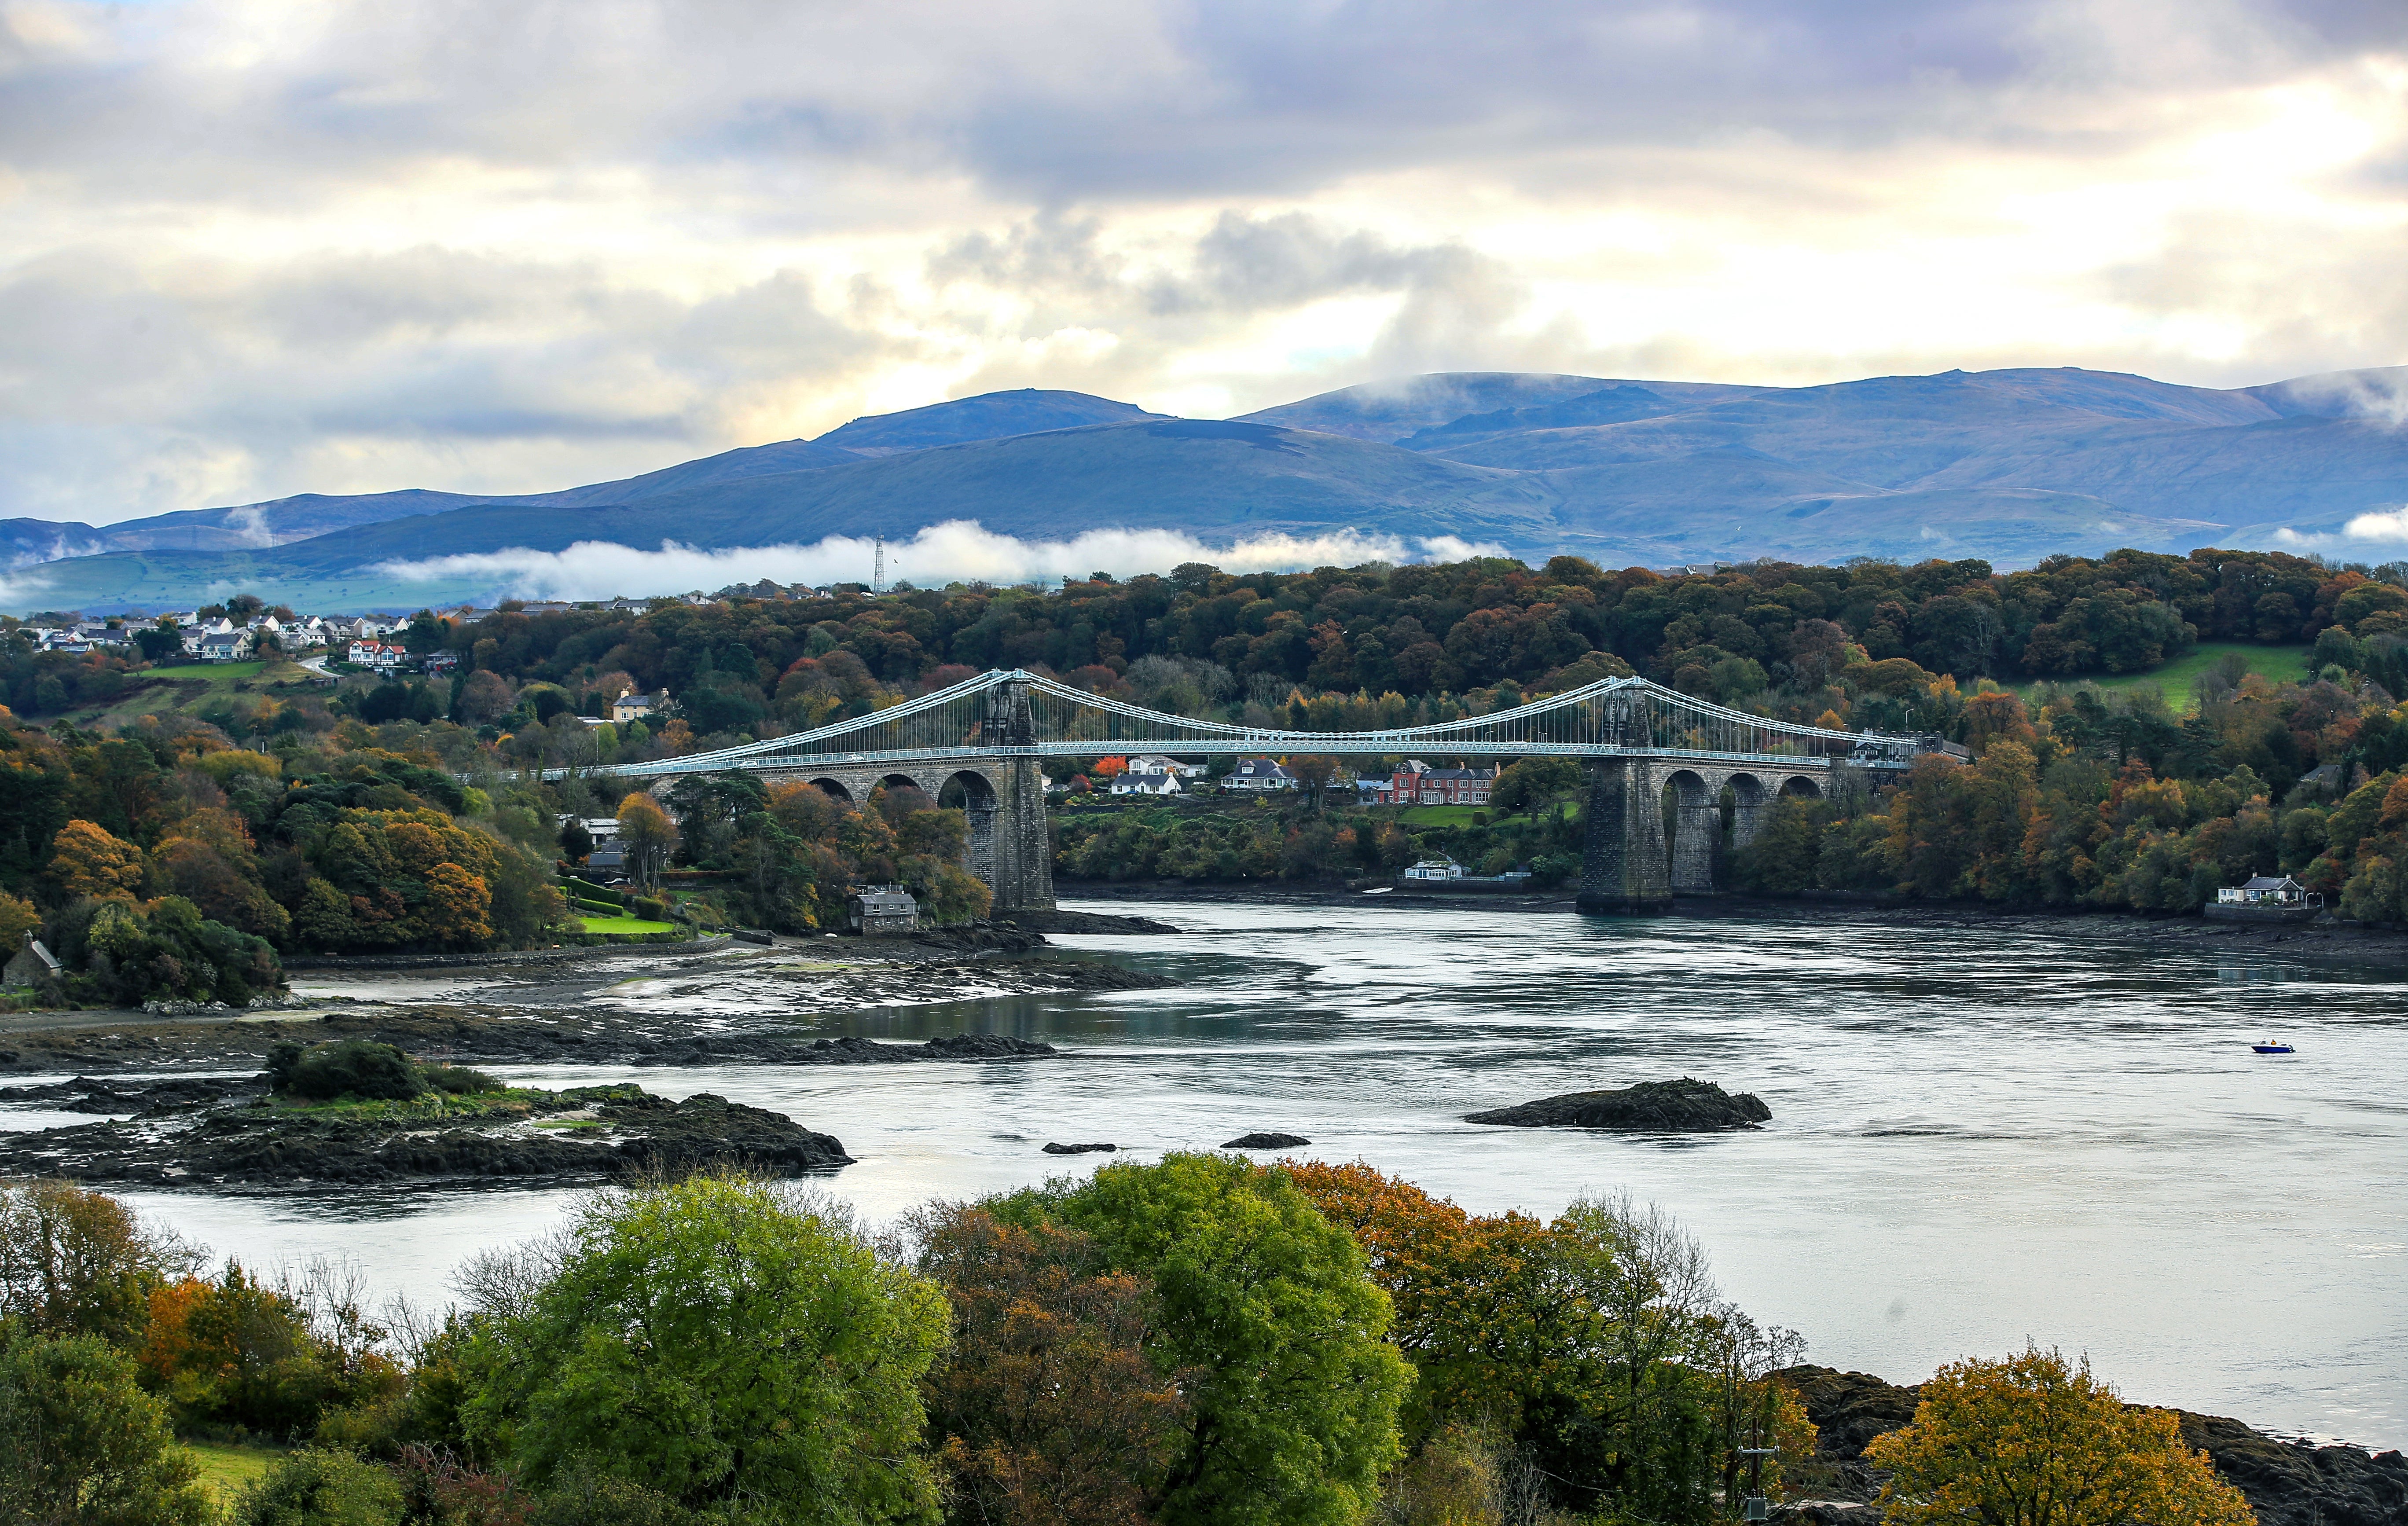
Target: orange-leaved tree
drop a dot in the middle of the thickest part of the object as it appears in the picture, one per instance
(89, 860)
(2032, 1440)
(647, 834)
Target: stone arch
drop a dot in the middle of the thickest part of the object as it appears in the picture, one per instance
(834, 789)
(1750, 802)
(967, 790)
(971, 793)
(1693, 824)
(1803, 786)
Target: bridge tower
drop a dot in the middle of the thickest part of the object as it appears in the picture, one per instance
(1012, 851)
(1624, 865)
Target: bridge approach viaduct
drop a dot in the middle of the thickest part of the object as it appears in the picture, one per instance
(1657, 762)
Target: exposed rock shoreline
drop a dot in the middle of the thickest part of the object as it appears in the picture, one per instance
(2287, 1483)
(231, 1134)
(670, 1013)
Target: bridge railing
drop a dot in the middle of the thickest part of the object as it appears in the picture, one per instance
(980, 717)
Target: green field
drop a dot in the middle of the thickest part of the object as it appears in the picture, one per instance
(2174, 680)
(226, 1469)
(207, 670)
(625, 925)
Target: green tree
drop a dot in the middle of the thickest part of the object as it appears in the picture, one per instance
(728, 1343)
(320, 1488)
(1296, 1389)
(81, 1443)
(2031, 1440)
(1533, 785)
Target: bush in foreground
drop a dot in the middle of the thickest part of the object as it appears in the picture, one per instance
(81, 1443)
(734, 1345)
(2030, 1441)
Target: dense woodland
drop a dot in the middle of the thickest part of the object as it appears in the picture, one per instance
(176, 854)
(1206, 1341)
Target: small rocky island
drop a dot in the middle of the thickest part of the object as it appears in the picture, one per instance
(1681, 1106)
(357, 1113)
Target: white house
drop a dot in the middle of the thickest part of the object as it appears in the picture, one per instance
(225, 647)
(1155, 764)
(1438, 868)
(1260, 775)
(376, 654)
(1131, 782)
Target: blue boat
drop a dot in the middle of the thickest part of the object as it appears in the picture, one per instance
(2271, 1047)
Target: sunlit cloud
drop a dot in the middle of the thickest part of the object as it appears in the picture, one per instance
(959, 550)
(256, 248)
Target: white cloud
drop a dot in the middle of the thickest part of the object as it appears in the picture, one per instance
(959, 550)
(255, 247)
(2384, 525)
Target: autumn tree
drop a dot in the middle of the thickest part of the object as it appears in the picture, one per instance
(2031, 1440)
(89, 860)
(1047, 1409)
(648, 836)
(79, 1262)
(1315, 773)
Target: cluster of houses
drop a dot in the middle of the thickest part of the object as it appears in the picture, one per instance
(1413, 783)
(218, 639)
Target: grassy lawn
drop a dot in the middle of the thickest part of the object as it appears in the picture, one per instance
(2174, 680)
(226, 1469)
(207, 670)
(624, 924)
(1441, 816)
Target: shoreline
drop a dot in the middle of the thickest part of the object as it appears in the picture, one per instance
(2308, 939)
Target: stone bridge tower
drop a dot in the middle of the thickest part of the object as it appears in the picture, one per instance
(1002, 793)
(1638, 854)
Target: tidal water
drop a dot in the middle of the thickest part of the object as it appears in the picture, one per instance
(1981, 1134)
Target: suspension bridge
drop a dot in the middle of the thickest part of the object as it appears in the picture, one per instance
(984, 742)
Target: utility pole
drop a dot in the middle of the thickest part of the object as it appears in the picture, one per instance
(1757, 1506)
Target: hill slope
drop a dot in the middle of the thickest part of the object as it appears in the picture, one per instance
(2011, 465)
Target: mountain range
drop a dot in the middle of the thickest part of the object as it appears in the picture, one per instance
(2010, 465)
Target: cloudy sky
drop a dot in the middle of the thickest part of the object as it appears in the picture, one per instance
(251, 248)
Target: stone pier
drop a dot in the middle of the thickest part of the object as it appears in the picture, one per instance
(1655, 826)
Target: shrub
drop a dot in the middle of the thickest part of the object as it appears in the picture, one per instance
(458, 1079)
(80, 1442)
(650, 909)
(2034, 1441)
(320, 1488)
(353, 1067)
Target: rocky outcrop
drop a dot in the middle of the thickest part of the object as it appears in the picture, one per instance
(2286, 1483)
(1267, 1141)
(1848, 1409)
(1079, 1149)
(2292, 1483)
(1087, 922)
(1681, 1106)
(588, 1134)
(85, 1094)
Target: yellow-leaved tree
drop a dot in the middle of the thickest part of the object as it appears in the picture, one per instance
(2031, 1440)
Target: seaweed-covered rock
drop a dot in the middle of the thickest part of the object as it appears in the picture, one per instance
(583, 1134)
(1079, 1149)
(1267, 1141)
(1681, 1106)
